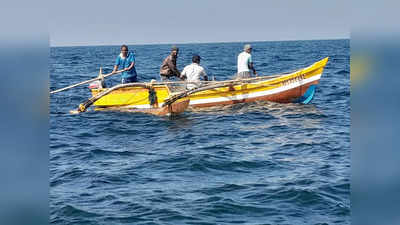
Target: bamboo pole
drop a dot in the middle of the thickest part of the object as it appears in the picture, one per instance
(100, 77)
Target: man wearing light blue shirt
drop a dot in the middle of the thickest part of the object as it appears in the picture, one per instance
(245, 63)
(126, 60)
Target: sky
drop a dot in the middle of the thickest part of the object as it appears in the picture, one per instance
(77, 23)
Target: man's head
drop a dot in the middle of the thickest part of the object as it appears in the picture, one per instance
(196, 59)
(174, 51)
(247, 48)
(124, 50)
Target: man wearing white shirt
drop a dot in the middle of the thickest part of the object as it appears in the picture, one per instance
(245, 63)
(193, 72)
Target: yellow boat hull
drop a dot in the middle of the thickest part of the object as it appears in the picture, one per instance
(292, 87)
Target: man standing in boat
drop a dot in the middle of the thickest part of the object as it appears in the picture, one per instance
(168, 67)
(193, 72)
(245, 63)
(126, 60)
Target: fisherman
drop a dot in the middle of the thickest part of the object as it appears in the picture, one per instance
(168, 67)
(193, 72)
(245, 63)
(126, 60)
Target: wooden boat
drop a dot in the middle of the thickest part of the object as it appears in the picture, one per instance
(295, 87)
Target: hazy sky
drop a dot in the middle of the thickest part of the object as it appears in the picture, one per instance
(184, 21)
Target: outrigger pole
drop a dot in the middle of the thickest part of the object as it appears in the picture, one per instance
(100, 77)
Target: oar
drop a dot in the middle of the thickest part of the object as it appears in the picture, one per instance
(101, 76)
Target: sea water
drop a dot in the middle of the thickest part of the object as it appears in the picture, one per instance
(254, 163)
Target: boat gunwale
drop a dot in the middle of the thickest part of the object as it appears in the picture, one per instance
(275, 80)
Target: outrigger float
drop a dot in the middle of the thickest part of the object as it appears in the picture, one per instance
(163, 98)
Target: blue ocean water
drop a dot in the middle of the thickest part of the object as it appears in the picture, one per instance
(253, 163)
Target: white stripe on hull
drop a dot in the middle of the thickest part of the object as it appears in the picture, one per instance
(134, 107)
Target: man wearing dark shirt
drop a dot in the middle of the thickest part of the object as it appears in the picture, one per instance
(168, 67)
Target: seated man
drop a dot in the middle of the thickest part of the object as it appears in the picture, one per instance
(193, 72)
(127, 61)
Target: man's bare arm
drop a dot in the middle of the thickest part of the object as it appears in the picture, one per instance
(173, 68)
(115, 68)
(251, 66)
(130, 66)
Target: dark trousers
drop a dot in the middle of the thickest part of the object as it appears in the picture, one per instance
(129, 80)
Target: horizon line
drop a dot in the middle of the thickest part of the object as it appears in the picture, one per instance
(183, 43)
